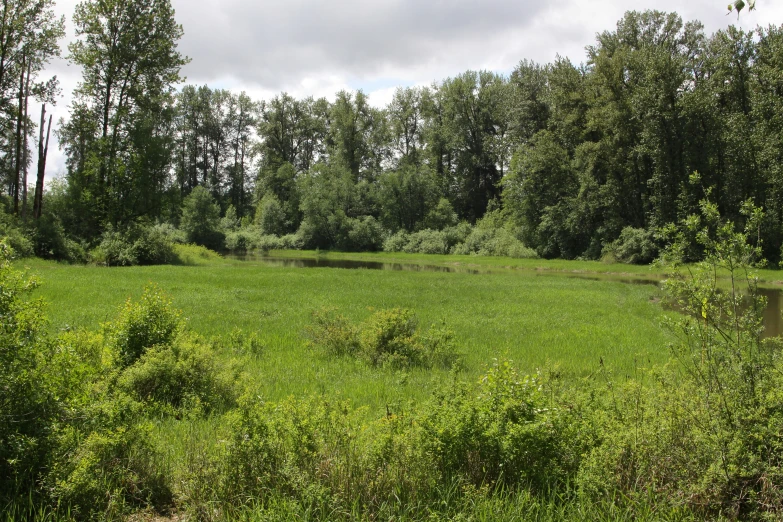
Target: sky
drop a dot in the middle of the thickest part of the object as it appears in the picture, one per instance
(316, 48)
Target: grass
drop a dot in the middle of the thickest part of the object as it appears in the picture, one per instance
(539, 319)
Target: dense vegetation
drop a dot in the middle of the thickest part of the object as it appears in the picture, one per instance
(555, 160)
(146, 416)
(391, 404)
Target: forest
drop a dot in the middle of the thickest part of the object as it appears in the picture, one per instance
(543, 295)
(556, 160)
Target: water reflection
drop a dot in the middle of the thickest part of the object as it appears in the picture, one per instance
(351, 264)
(773, 321)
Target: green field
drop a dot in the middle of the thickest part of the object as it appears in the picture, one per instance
(540, 319)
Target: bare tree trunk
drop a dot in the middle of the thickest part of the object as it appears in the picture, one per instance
(43, 150)
(24, 143)
(18, 157)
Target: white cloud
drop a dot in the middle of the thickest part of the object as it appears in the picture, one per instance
(316, 48)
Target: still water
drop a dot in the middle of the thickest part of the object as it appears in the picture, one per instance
(773, 321)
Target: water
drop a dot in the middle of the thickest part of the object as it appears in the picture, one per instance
(773, 320)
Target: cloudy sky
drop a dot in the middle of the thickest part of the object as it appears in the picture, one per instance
(312, 47)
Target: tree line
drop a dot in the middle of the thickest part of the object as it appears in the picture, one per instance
(570, 159)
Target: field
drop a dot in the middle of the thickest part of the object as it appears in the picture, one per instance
(540, 318)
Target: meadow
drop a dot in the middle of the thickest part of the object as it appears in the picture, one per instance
(560, 317)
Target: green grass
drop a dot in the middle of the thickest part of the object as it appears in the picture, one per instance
(539, 319)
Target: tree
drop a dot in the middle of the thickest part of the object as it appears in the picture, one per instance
(201, 219)
(128, 53)
(29, 34)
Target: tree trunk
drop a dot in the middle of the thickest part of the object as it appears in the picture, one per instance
(43, 150)
(18, 157)
(24, 143)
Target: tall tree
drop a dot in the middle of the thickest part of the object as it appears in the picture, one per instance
(29, 34)
(128, 53)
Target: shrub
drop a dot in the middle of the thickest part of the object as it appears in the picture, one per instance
(364, 235)
(270, 216)
(110, 473)
(26, 409)
(634, 246)
(50, 241)
(140, 326)
(242, 240)
(442, 216)
(427, 242)
(502, 433)
(182, 375)
(135, 245)
(172, 233)
(387, 338)
(333, 333)
(396, 242)
(14, 236)
(201, 219)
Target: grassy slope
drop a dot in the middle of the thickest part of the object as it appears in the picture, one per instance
(533, 318)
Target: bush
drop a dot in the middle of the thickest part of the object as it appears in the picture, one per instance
(50, 242)
(201, 219)
(182, 375)
(242, 240)
(14, 236)
(364, 235)
(634, 246)
(110, 473)
(387, 338)
(270, 216)
(135, 245)
(140, 326)
(26, 409)
(172, 233)
(504, 433)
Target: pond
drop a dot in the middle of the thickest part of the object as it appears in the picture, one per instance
(773, 320)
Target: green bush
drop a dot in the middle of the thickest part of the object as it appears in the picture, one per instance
(364, 235)
(505, 432)
(135, 245)
(634, 246)
(270, 216)
(110, 473)
(333, 333)
(26, 407)
(201, 219)
(242, 239)
(14, 236)
(494, 242)
(185, 375)
(140, 326)
(387, 338)
(50, 241)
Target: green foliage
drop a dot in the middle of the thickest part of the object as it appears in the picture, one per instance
(201, 219)
(364, 235)
(387, 338)
(110, 474)
(242, 239)
(51, 242)
(26, 406)
(505, 431)
(333, 333)
(137, 244)
(14, 236)
(634, 246)
(140, 326)
(182, 375)
(270, 216)
(441, 216)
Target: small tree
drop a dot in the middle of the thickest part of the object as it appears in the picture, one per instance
(201, 219)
